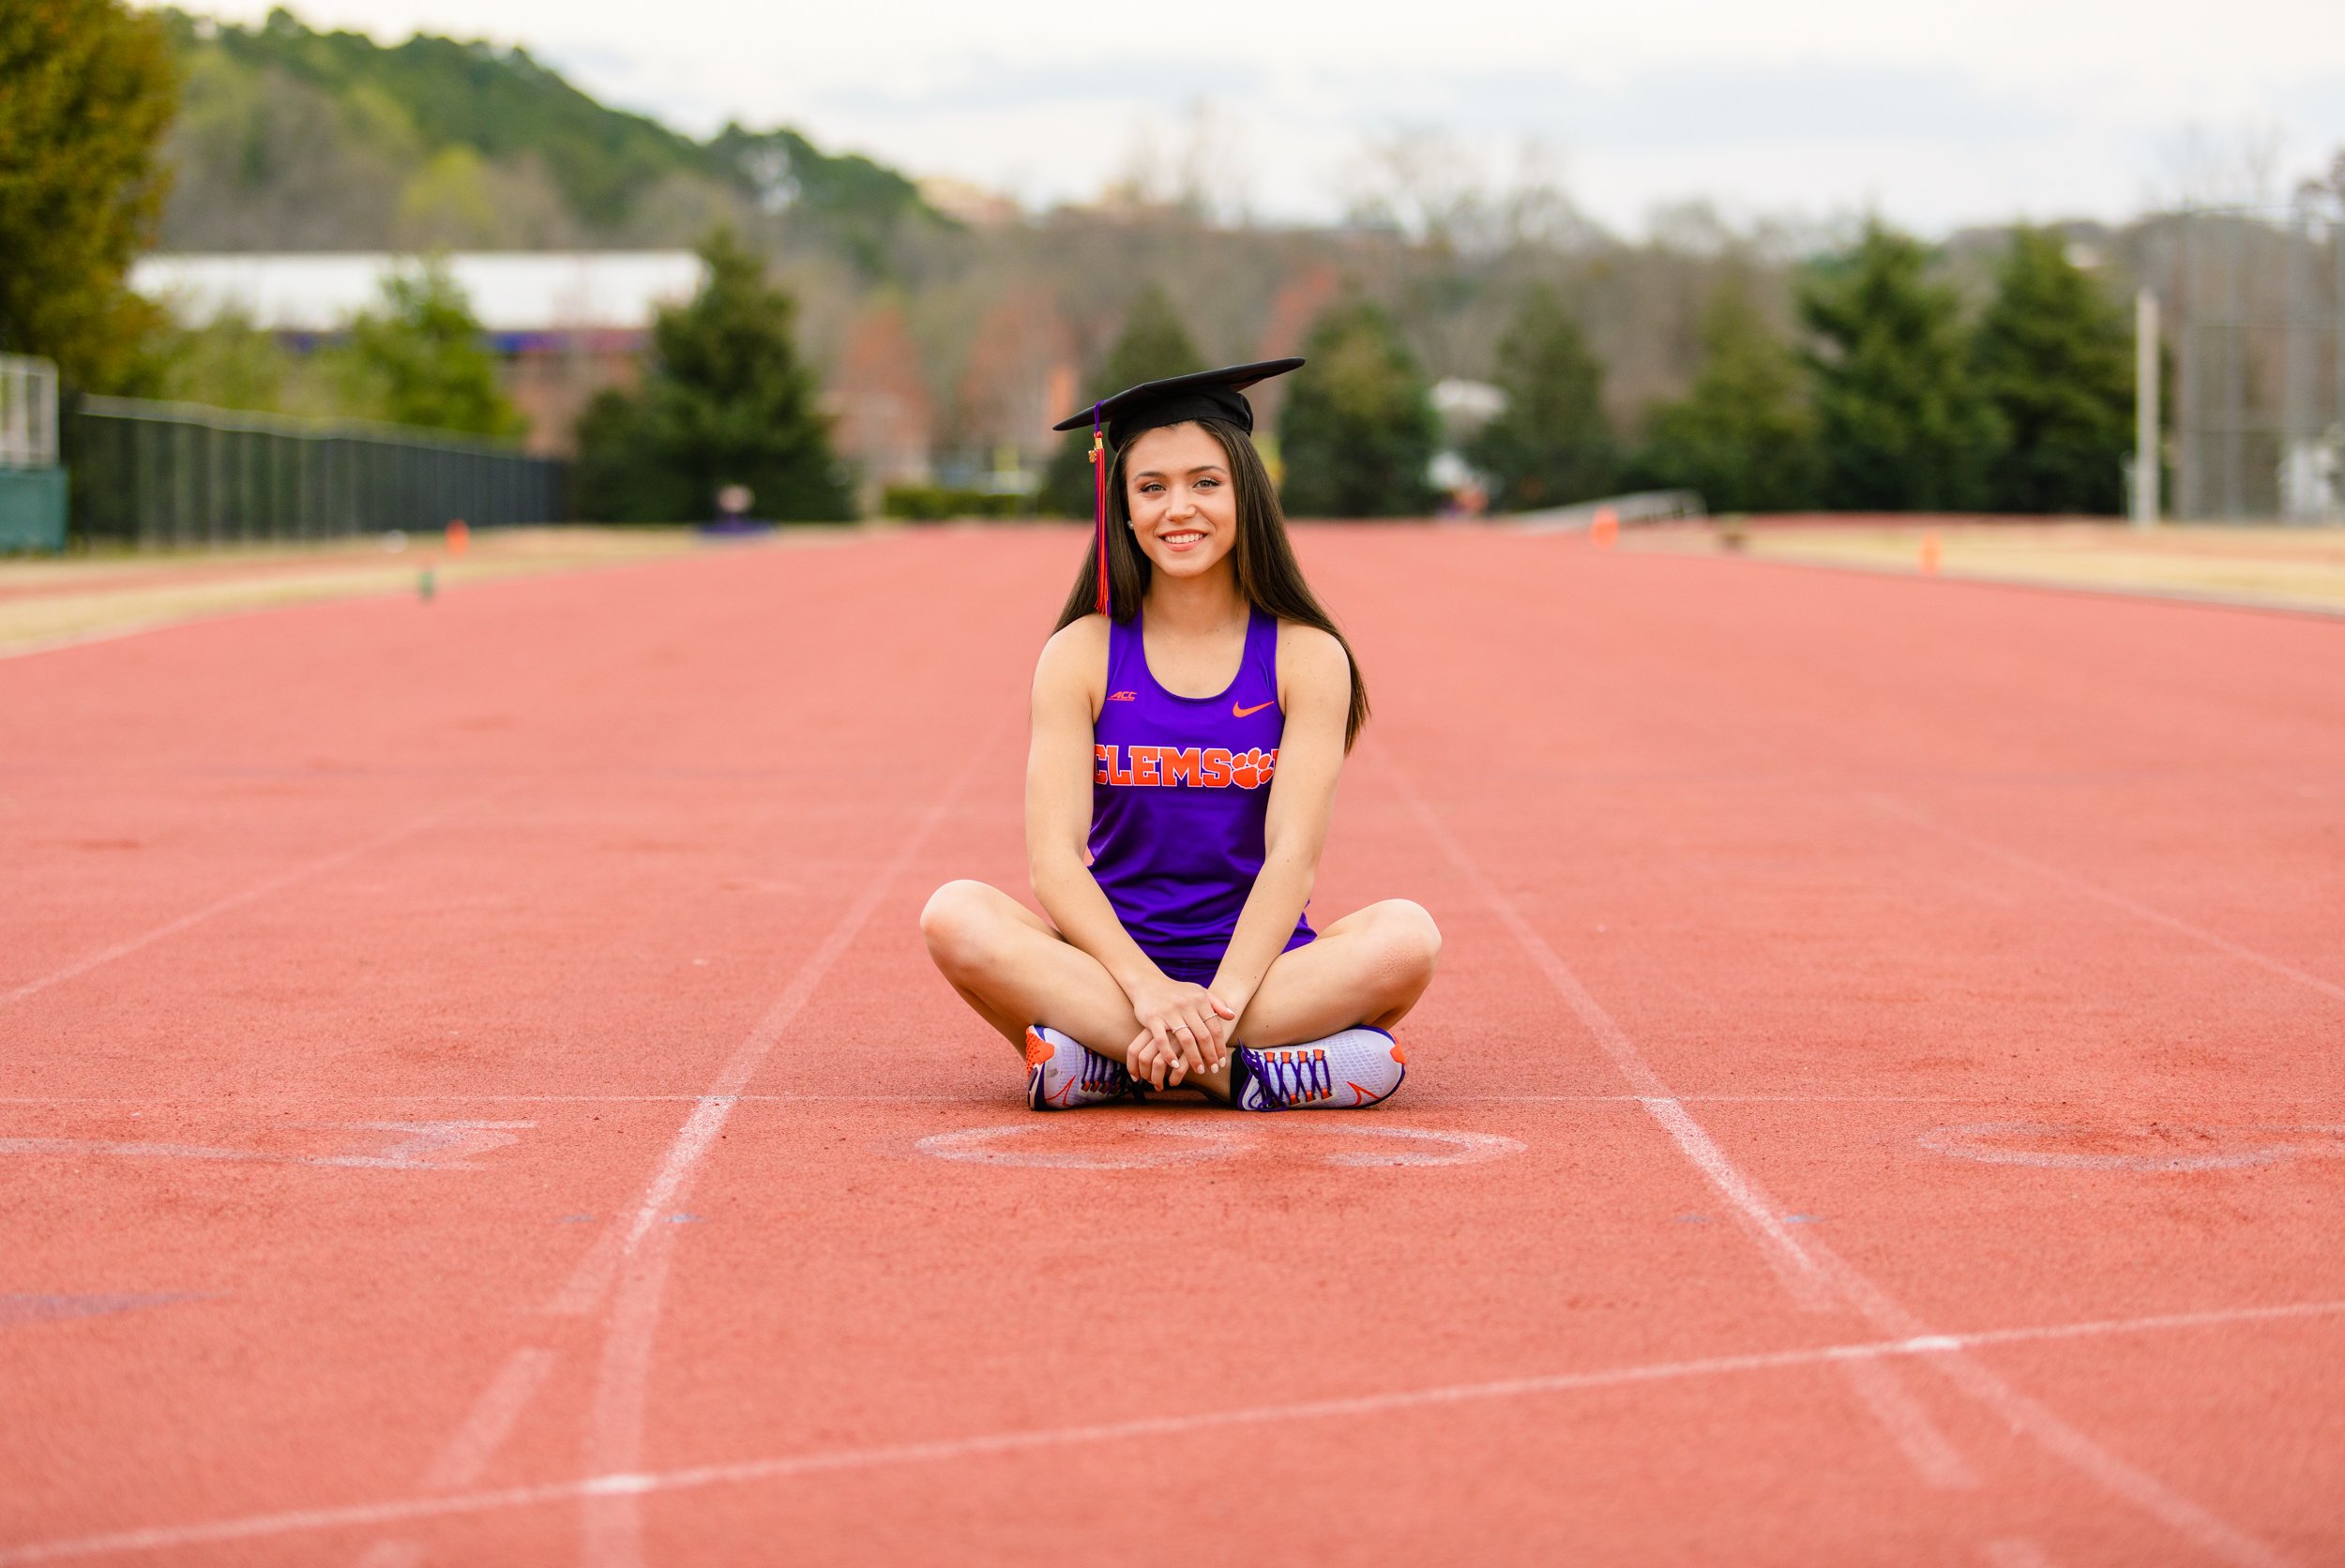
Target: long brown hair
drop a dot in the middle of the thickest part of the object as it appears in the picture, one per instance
(1268, 576)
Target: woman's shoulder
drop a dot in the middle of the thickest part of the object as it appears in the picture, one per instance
(1305, 647)
(1310, 659)
(1075, 652)
(1077, 638)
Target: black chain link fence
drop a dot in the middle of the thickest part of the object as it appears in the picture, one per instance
(157, 475)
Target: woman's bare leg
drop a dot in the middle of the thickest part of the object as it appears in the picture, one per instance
(1368, 967)
(1013, 970)
(1009, 966)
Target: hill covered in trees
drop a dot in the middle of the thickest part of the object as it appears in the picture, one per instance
(291, 139)
(1771, 366)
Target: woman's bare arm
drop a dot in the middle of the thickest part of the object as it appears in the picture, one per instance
(1315, 691)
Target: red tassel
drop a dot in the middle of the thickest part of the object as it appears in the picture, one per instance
(1099, 506)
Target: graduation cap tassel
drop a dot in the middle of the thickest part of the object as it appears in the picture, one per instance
(1099, 504)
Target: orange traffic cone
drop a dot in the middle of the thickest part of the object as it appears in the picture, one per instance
(1604, 528)
(458, 537)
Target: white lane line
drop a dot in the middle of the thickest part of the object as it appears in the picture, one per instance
(261, 889)
(1753, 1210)
(1936, 1348)
(493, 1416)
(611, 1533)
(1883, 1390)
(2109, 895)
(1821, 1273)
(2213, 1535)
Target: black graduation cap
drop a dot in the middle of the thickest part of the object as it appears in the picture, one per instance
(1176, 399)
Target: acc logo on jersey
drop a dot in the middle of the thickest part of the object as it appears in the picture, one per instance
(1163, 766)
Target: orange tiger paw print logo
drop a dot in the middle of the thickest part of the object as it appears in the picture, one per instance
(1247, 770)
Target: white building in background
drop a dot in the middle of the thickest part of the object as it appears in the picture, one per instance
(514, 292)
(566, 323)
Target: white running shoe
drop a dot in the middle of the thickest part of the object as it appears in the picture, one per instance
(1356, 1068)
(1062, 1072)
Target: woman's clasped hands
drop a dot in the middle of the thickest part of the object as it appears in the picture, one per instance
(1184, 1029)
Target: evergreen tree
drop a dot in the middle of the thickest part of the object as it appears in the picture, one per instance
(1904, 424)
(1152, 346)
(1743, 435)
(725, 402)
(2057, 360)
(1552, 444)
(87, 89)
(1359, 427)
(421, 360)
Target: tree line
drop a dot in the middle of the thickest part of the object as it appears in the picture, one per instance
(1884, 389)
(1892, 399)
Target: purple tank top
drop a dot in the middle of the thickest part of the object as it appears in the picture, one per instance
(1180, 787)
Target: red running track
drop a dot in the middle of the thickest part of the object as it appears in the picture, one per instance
(473, 1093)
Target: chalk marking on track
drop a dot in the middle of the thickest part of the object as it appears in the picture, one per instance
(1935, 1347)
(259, 890)
(611, 1533)
(1460, 1148)
(2109, 895)
(979, 1146)
(1431, 1099)
(2005, 1143)
(2015, 1551)
(426, 1146)
(492, 1420)
(1926, 1448)
(1808, 1283)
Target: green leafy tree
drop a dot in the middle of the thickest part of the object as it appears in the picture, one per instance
(725, 402)
(2056, 360)
(422, 360)
(87, 89)
(228, 363)
(1359, 427)
(1551, 445)
(1904, 423)
(1153, 345)
(1743, 435)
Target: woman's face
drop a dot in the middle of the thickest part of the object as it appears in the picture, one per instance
(1184, 508)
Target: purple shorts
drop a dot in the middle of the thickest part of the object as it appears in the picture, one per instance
(1197, 969)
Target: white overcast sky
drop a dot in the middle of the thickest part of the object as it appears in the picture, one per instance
(1936, 115)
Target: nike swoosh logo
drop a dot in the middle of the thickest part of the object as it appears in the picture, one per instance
(1242, 712)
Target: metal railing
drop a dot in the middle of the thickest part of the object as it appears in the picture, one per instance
(28, 412)
(155, 474)
(2255, 297)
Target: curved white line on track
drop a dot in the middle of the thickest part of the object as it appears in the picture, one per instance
(1815, 1277)
(2025, 1143)
(982, 1146)
(1451, 1147)
(637, 1249)
(1934, 1349)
